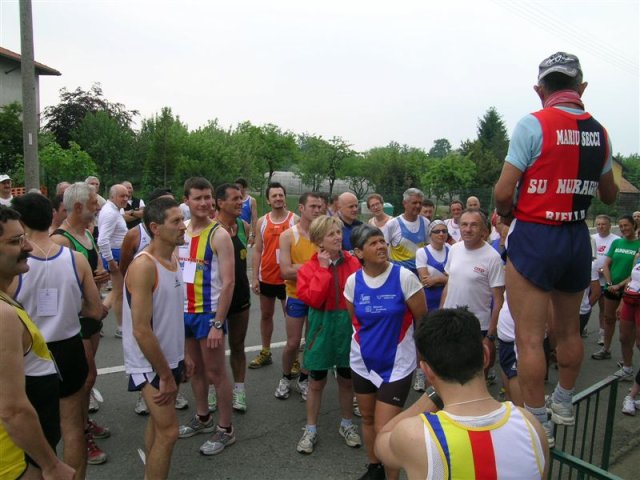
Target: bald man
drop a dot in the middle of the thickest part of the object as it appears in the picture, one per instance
(473, 203)
(348, 213)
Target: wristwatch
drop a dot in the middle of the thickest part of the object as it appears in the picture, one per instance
(434, 397)
(217, 324)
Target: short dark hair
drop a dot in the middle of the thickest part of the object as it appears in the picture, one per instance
(627, 217)
(556, 81)
(221, 191)
(306, 195)
(427, 202)
(6, 214)
(484, 218)
(241, 181)
(57, 201)
(156, 212)
(198, 183)
(361, 234)
(159, 192)
(456, 201)
(449, 340)
(275, 185)
(35, 211)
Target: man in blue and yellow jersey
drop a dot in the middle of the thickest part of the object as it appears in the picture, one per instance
(26, 365)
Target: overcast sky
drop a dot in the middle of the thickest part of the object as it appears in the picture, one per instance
(369, 71)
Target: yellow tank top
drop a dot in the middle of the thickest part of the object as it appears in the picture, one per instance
(302, 249)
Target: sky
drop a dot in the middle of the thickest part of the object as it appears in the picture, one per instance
(369, 71)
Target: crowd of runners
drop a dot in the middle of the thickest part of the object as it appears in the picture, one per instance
(411, 301)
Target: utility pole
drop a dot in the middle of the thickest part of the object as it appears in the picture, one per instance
(30, 127)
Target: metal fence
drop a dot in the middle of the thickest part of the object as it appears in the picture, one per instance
(583, 451)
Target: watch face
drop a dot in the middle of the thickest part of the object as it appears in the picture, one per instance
(217, 325)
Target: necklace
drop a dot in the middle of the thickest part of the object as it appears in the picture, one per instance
(468, 401)
(46, 254)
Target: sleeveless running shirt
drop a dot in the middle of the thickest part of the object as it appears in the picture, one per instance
(382, 347)
(241, 291)
(405, 252)
(199, 264)
(559, 185)
(270, 260)
(37, 363)
(302, 249)
(508, 448)
(166, 322)
(51, 292)
(245, 213)
(91, 254)
(144, 237)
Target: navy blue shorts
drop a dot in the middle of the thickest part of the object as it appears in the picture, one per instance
(197, 325)
(296, 308)
(508, 360)
(552, 257)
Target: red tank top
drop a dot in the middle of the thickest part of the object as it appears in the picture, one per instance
(270, 260)
(558, 187)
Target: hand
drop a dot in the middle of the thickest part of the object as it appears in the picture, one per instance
(492, 350)
(252, 240)
(100, 277)
(324, 259)
(255, 286)
(105, 311)
(506, 220)
(59, 471)
(215, 338)
(113, 266)
(168, 391)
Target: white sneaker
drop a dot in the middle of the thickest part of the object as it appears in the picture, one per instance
(181, 402)
(601, 338)
(212, 400)
(284, 389)
(141, 406)
(629, 406)
(307, 442)
(548, 427)
(350, 435)
(94, 405)
(624, 376)
(303, 388)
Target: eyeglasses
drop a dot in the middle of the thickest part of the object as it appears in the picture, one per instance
(16, 241)
(438, 232)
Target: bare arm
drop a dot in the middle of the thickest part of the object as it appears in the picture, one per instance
(594, 292)
(498, 299)
(91, 302)
(505, 188)
(128, 248)
(444, 294)
(254, 221)
(140, 283)
(17, 415)
(288, 270)
(257, 256)
(607, 188)
(223, 246)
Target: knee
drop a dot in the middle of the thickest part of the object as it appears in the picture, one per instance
(167, 434)
(367, 420)
(317, 386)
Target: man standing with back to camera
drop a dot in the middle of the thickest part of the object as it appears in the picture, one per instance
(560, 156)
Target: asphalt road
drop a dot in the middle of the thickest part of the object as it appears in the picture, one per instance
(268, 432)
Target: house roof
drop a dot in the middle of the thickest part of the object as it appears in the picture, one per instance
(627, 187)
(41, 68)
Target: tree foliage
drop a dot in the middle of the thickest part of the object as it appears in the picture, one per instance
(59, 164)
(62, 119)
(10, 137)
(489, 150)
(441, 148)
(313, 160)
(447, 176)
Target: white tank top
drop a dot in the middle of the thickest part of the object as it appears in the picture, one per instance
(52, 295)
(145, 238)
(167, 320)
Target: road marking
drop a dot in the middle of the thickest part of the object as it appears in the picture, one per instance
(254, 348)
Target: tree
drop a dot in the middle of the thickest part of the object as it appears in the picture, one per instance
(313, 160)
(63, 118)
(10, 137)
(60, 164)
(339, 152)
(163, 139)
(441, 148)
(489, 150)
(111, 145)
(448, 175)
(354, 172)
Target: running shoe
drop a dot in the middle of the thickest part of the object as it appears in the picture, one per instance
(239, 401)
(601, 338)
(350, 435)
(601, 354)
(419, 383)
(141, 406)
(629, 406)
(96, 430)
(261, 360)
(307, 442)
(217, 443)
(356, 407)
(561, 413)
(212, 399)
(303, 388)
(624, 376)
(375, 471)
(181, 402)
(196, 426)
(94, 405)
(95, 456)
(118, 333)
(284, 389)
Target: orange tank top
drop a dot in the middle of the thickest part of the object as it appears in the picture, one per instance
(270, 260)
(302, 249)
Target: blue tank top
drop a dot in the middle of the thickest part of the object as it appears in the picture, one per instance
(405, 253)
(434, 294)
(383, 325)
(245, 213)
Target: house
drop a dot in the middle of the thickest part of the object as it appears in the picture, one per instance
(11, 79)
(629, 196)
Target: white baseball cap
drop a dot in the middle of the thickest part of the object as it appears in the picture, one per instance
(4, 178)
